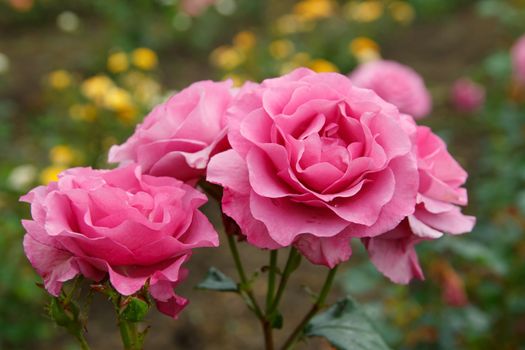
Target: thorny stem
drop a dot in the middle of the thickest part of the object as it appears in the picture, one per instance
(319, 303)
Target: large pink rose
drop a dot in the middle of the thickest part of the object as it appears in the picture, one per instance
(395, 83)
(518, 59)
(133, 228)
(437, 212)
(178, 137)
(314, 162)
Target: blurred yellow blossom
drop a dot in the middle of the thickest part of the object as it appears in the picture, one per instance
(280, 49)
(301, 58)
(117, 99)
(364, 11)
(364, 49)
(118, 62)
(226, 57)
(402, 12)
(62, 155)
(59, 79)
(83, 112)
(320, 66)
(127, 115)
(244, 40)
(314, 9)
(144, 58)
(96, 87)
(289, 24)
(143, 88)
(50, 173)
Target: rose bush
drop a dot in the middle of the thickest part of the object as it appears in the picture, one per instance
(439, 198)
(315, 161)
(395, 83)
(177, 138)
(120, 224)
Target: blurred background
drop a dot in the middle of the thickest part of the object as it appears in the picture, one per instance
(77, 76)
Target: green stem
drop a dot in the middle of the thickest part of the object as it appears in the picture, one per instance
(294, 259)
(319, 303)
(129, 335)
(245, 287)
(82, 341)
(271, 280)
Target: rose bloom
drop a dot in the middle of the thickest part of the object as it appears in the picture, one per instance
(439, 198)
(314, 162)
(518, 59)
(467, 96)
(395, 83)
(120, 224)
(177, 138)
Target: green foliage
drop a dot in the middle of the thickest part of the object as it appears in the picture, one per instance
(346, 327)
(218, 281)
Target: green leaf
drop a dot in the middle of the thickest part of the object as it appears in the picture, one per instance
(218, 281)
(346, 327)
(134, 309)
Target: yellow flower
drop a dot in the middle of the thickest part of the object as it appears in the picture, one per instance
(144, 58)
(364, 49)
(50, 173)
(402, 12)
(83, 112)
(96, 87)
(59, 79)
(280, 49)
(62, 155)
(289, 24)
(127, 115)
(301, 58)
(320, 66)
(244, 40)
(365, 11)
(118, 99)
(314, 9)
(226, 57)
(118, 62)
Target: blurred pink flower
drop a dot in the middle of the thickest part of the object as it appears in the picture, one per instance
(120, 224)
(467, 96)
(395, 83)
(518, 59)
(178, 137)
(195, 7)
(314, 162)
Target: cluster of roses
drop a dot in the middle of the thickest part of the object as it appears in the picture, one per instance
(308, 160)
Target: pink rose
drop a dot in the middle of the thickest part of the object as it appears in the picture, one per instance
(133, 228)
(437, 212)
(395, 83)
(518, 59)
(314, 162)
(467, 96)
(178, 137)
